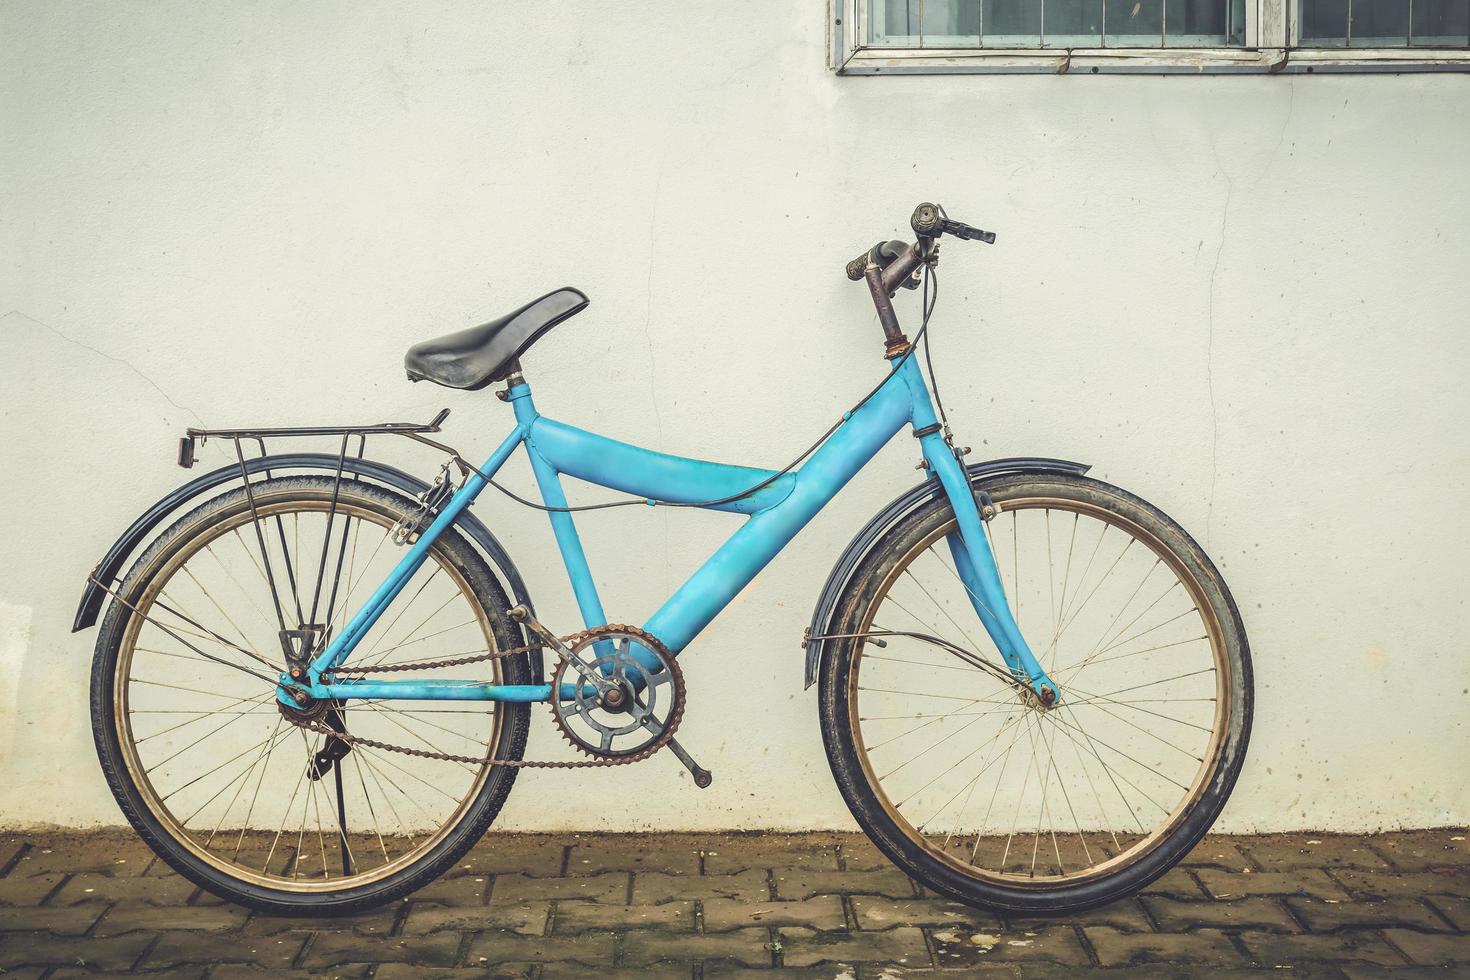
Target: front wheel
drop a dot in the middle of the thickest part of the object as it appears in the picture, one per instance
(969, 784)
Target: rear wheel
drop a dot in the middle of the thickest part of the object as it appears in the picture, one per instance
(976, 789)
(222, 784)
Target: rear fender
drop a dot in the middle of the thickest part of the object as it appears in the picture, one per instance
(889, 517)
(109, 569)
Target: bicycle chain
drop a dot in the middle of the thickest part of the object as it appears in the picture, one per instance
(602, 761)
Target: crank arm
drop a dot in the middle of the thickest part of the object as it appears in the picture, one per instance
(523, 615)
(702, 777)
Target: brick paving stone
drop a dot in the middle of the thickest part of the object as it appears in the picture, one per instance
(133, 918)
(1173, 915)
(532, 854)
(1125, 914)
(573, 917)
(232, 971)
(746, 947)
(889, 881)
(376, 923)
(528, 919)
(571, 971)
(652, 887)
(1116, 948)
(1176, 881)
(10, 848)
(190, 972)
(610, 887)
(591, 949)
(670, 853)
(728, 971)
(62, 921)
(885, 913)
(1383, 884)
(114, 852)
(267, 952)
(1322, 916)
(903, 947)
(38, 949)
(28, 889)
(1306, 881)
(1272, 949)
(860, 854)
(1424, 849)
(1288, 852)
(1430, 949)
(1457, 910)
(1056, 944)
(460, 890)
(1217, 850)
(1355, 971)
(810, 852)
(822, 912)
(170, 891)
(404, 971)
(1037, 970)
(329, 949)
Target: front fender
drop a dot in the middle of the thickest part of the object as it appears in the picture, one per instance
(888, 517)
(110, 567)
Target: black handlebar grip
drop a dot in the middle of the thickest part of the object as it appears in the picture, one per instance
(857, 267)
(927, 221)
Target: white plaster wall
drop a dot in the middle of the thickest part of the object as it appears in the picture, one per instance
(1243, 298)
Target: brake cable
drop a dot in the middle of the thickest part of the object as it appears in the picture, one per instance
(928, 303)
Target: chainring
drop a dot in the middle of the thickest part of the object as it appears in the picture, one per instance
(653, 699)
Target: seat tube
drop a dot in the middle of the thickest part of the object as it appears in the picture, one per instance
(548, 481)
(970, 548)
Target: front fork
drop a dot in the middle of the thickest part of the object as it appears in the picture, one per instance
(976, 566)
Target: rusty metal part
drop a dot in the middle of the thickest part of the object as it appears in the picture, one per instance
(298, 719)
(666, 659)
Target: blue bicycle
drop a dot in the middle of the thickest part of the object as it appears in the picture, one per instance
(312, 689)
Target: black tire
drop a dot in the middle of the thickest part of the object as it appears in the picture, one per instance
(994, 891)
(453, 551)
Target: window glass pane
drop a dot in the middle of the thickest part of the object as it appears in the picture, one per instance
(1135, 23)
(1058, 23)
(1324, 22)
(1441, 23)
(1072, 23)
(1011, 23)
(1380, 22)
(935, 21)
(1384, 23)
(1196, 23)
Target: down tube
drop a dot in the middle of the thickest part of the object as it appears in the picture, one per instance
(762, 537)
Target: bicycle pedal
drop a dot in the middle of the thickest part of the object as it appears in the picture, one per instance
(702, 776)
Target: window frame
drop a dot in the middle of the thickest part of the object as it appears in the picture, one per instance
(1272, 46)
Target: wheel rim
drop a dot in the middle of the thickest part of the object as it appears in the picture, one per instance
(256, 816)
(1036, 798)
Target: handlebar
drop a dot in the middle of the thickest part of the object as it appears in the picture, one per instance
(888, 265)
(929, 222)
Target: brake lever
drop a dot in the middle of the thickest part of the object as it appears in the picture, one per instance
(961, 230)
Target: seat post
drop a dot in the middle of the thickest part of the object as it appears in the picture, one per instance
(515, 377)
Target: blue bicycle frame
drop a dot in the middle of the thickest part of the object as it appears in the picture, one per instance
(776, 513)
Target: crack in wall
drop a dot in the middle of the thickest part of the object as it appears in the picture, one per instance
(103, 354)
(1210, 352)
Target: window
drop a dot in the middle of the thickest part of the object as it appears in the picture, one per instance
(897, 36)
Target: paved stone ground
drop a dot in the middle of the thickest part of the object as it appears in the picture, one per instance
(750, 906)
